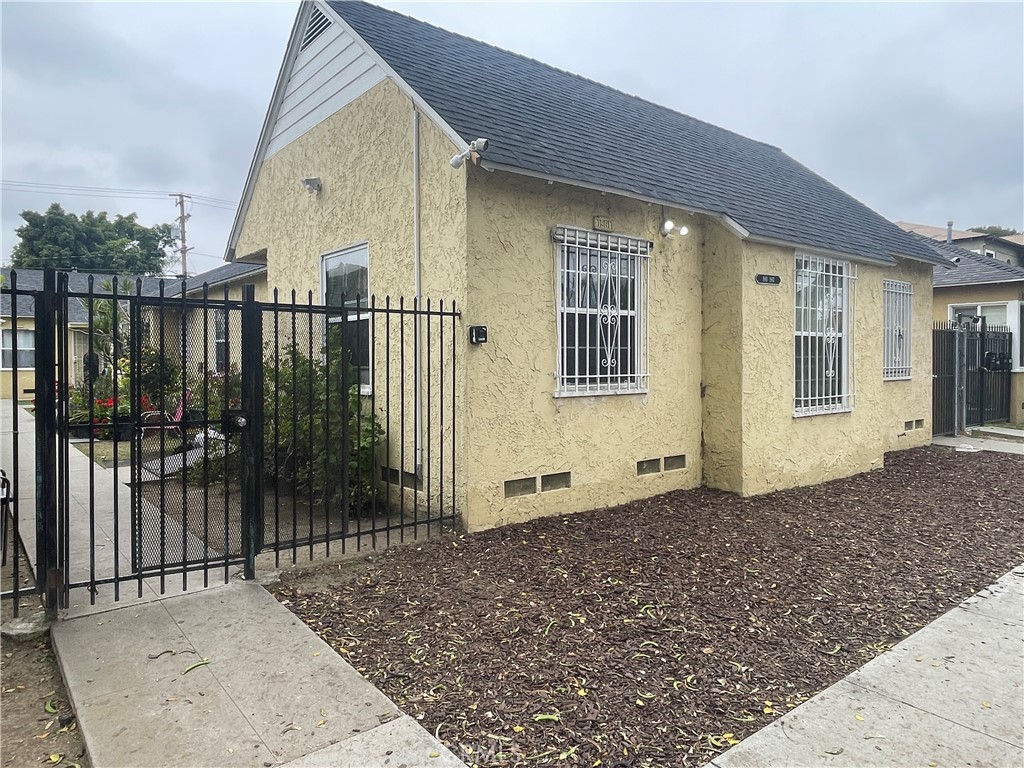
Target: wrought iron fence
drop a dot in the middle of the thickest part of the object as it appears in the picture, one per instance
(196, 431)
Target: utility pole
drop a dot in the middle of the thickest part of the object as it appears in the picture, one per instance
(182, 218)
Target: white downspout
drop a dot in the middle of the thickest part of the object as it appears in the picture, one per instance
(417, 347)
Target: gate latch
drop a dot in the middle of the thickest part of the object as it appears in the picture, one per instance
(235, 421)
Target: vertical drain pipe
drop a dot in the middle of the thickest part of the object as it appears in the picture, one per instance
(417, 347)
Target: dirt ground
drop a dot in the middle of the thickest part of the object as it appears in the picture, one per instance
(35, 716)
(661, 632)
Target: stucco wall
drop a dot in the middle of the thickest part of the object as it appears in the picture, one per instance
(722, 358)
(781, 450)
(973, 294)
(1017, 398)
(518, 428)
(363, 155)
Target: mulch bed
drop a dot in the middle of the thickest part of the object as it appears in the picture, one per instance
(663, 631)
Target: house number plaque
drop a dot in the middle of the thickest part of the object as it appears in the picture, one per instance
(602, 224)
(767, 279)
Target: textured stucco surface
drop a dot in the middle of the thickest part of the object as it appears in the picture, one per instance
(780, 450)
(363, 155)
(1017, 398)
(517, 427)
(722, 359)
(973, 294)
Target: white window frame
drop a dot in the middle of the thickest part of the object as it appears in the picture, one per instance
(975, 309)
(897, 309)
(339, 254)
(613, 254)
(830, 389)
(7, 347)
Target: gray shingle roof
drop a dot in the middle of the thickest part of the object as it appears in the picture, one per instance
(78, 282)
(217, 276)
(546, 121)
(973, 268)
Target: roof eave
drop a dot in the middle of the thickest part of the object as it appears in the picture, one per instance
(730, 223)
(980, 282)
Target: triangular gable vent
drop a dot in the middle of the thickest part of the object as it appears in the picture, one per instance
(318, 22)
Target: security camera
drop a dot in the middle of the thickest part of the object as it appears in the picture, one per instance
(479, 145)
(956, 259)
(458, 160)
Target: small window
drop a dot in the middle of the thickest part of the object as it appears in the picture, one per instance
(26, 342)
(823, 365)
(220, 340)
(346, 280)
(602, 312)
(897, 297)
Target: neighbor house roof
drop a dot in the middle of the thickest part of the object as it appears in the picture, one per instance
(543, 121)
(972, 268)
(939, 233)
(78, 282)
(226, 273)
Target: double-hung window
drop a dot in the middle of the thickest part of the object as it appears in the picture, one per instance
(823, 361)
(346, 281)
(897, 297)
(26, 348)
(602, 312)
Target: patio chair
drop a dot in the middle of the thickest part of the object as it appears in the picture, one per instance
(154, 421)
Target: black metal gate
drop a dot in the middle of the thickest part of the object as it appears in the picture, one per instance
(179, 434)
(971, 374)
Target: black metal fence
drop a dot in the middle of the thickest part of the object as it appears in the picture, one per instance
(180, 434)
(971, 375)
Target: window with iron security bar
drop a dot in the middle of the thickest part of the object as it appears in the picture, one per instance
(823, 348)
(897, 298)
(602, 287)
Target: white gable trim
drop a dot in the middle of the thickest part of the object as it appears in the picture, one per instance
(311, 103)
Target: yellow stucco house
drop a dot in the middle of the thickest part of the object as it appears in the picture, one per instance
(667, 303)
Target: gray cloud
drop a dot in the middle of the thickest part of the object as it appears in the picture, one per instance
(916, 109)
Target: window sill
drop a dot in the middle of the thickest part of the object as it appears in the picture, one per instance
(829, 412)
(908, 377)
(600, 393)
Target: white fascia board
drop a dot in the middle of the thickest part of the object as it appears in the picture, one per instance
(301, 19)
(980, 282)
(730, 223)
(417, 100)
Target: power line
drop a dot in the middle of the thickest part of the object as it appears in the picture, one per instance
(82, 190)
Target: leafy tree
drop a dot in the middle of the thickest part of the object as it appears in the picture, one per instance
(995, 230)
(90, 243)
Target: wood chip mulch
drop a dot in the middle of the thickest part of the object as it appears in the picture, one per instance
(663, 631)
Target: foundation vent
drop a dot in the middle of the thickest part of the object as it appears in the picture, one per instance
(556, 481)
(648, 467)
(409, 480)
(675, 462)
(919, 424)
(521, 487)
(907, 426)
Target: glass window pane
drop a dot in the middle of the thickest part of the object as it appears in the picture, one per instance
(347, 276)
(994, 315)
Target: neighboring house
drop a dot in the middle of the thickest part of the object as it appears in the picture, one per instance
(221, 328)
(77, 320)
(984, 287)
(668, 303)
(1008, 248)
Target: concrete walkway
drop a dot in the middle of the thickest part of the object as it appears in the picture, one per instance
(267, 692)
(951, 694)
(980, 444)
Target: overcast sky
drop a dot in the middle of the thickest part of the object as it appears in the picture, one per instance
(916, 109)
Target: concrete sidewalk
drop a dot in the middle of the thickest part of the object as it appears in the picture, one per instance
(267, 692)
(951, 694)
